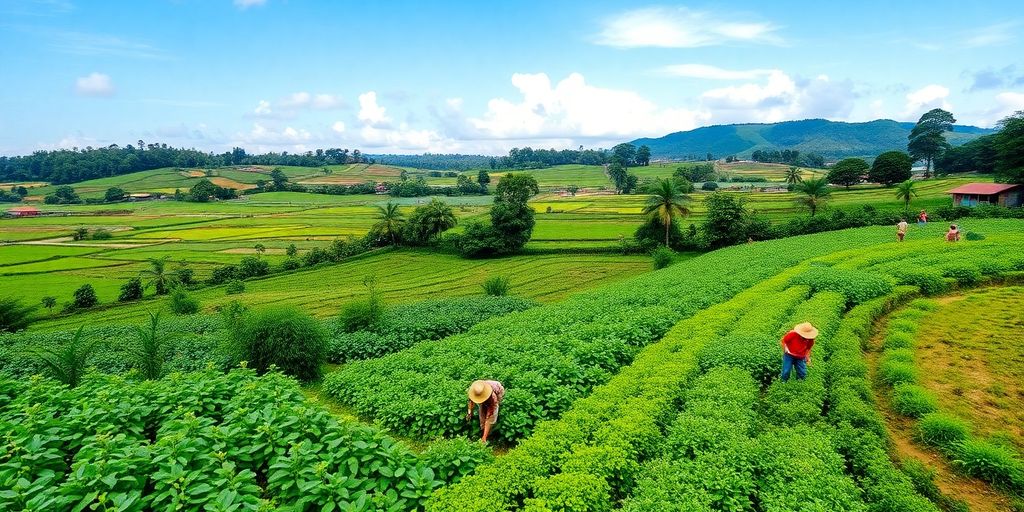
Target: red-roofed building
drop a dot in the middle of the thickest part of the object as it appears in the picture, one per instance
(1002, 194)
(23, 211)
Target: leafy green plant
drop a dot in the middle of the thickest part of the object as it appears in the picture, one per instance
(991, 462)
(131, 290)
(941, 430)
(150, 350)
(496, 286)
(13, 315)
(234, 287)
(85, 297)
(66, 364)
(662, 257)
(182, 302)
(283, 337)
(913, 400)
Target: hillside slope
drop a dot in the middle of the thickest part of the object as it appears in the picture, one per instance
(832, 139)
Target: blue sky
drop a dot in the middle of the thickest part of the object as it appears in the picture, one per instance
(471, 77)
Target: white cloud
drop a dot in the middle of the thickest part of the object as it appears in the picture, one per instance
(290, 106)
(924, 99)
(707, 72)
(338, 127)
(370, 113)
(95, 84)
(81, 43)
(992, 35)
(780, 98)
(263, 109)
(245, 4)
(1003, 105)
(681, 28)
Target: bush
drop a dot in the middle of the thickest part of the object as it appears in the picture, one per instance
(991, 462)
(283, 337)
(709, 186)
(662, 257)
(929, 280)
(131, 290)
(453, 459)
(291, 264)
(913, 400)
(182, 302)
(223, 274)
(966, 274)
(941, 430)
(251, 266)
(13, 315)
(856, 285)
(897, 372)
(496, 286)
(101, 234)
(85, 297)
(570, 492)
(973, 236)
(235, 287)
(759, 355)
(362, 314)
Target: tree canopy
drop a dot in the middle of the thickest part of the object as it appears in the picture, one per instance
(848, 172)
(927, 138)
(891, 167)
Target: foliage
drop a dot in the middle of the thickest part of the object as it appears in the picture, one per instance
(1009, 146)
(160, 277)
(281, 337)
(389, 224)
(927, 139)
(913, 400)
(662, 257)
(890, 167)
(496, 286)
(115, 194)
(856, 286)
(813, 193)
(905, 192)
(428, 221)
(666, 203)
(723, 222)
(942, 431)
(709, 186)
(182, 302)
(991, 462)
(101, 234)
(131, 290)
(234, 287)
(66, 364)
(848, 172)
(85, 297)
(150, 351)
(363, 314)
(62, 195)
(251, 266)
(14, 316)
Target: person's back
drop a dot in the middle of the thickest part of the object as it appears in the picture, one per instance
(901, 230)
(953, 234)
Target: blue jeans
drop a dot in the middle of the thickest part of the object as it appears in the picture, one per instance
(788, 362)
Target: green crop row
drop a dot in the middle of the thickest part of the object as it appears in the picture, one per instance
(550, 356)
(202, 441)
(981, 458)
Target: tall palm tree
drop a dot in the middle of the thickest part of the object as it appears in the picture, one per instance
(814, 193)
(904, 192)
(665, 203)
(389, 221)
(793, 176)
(159, 276)
(437, 217)
(67, 363)
(150, 351)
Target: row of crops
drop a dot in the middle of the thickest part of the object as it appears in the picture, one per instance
(657, 393)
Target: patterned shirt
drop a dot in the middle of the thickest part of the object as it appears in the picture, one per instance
(489, 408)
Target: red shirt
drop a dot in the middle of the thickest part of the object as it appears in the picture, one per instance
(796, 345)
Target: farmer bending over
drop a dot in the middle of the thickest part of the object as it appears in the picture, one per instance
(488, 395)
(953, 235)
(901, 230)
(796, 350)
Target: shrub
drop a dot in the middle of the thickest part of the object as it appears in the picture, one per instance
(993, 463)
(941, 430)
(151, 350)
(929, 280)
(223, 274)
(283, 337)
(131, 290)
(453, 459)
(291, 264)
(496, 286)
(759, 355)
(902, 355)
(251, 266)
(973, 236)
(234, 287)
(897, 372)
(856, 285)
(182, 302)
(101, 234)
(662, 257)
(360, 315)
(912, 400)
(85, 297)
(923, 478)
(964, 273)
(13, 315)
(570, 492)
(709, 185)
(67, 364)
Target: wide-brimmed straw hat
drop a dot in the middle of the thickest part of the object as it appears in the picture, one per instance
(479, 391)
(806, 330)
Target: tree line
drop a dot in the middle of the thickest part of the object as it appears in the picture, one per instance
(73, 165)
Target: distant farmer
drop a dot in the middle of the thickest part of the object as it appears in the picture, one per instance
(796, 350)
(922, 218)
(901, 230)
(953, 235)
(488, 395)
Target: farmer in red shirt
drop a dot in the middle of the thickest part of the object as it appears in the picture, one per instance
(488, 394)
(796, 350)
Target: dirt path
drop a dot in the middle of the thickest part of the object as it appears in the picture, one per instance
(979, 496)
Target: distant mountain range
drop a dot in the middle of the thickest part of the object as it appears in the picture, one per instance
(831, 139)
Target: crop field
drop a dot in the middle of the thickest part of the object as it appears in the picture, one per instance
(657, 391)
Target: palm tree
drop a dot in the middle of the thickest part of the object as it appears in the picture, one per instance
(814, 193)
(665, 203)
(159, 276)
(904, 192)
(150, 352)
(793, 176)
(437, 217)
(67, 363)
(389, 221)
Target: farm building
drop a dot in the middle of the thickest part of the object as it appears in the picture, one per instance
(23, 211)
(973, 194)
(140, 197)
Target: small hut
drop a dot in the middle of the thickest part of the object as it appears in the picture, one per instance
(1002, 194)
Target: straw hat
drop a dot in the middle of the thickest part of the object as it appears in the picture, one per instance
(479, 391)
(806, 330)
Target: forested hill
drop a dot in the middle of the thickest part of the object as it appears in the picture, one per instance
(831, 139)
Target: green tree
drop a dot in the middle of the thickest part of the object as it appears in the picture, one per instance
(848, 172)
(85, 297)
(202, 191)
(429, 220)
(511, 218)
(291, 251)
(625, 152)
(279, 178)
(891, 167)
(813, 193)
(389, 222)
(284, 337)
(927, 139)
(905, 192)
(665, 203)
(80, 233)
(66, 363)
(793, 176)
(114, 194)
(131, 290)
(1009, 146)
(724, 221)
(483, 177)
(572, 189)
(643, 156)
(260, 249)
(159, 276)
(13, 315)
(150, 350)
(49, 303)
